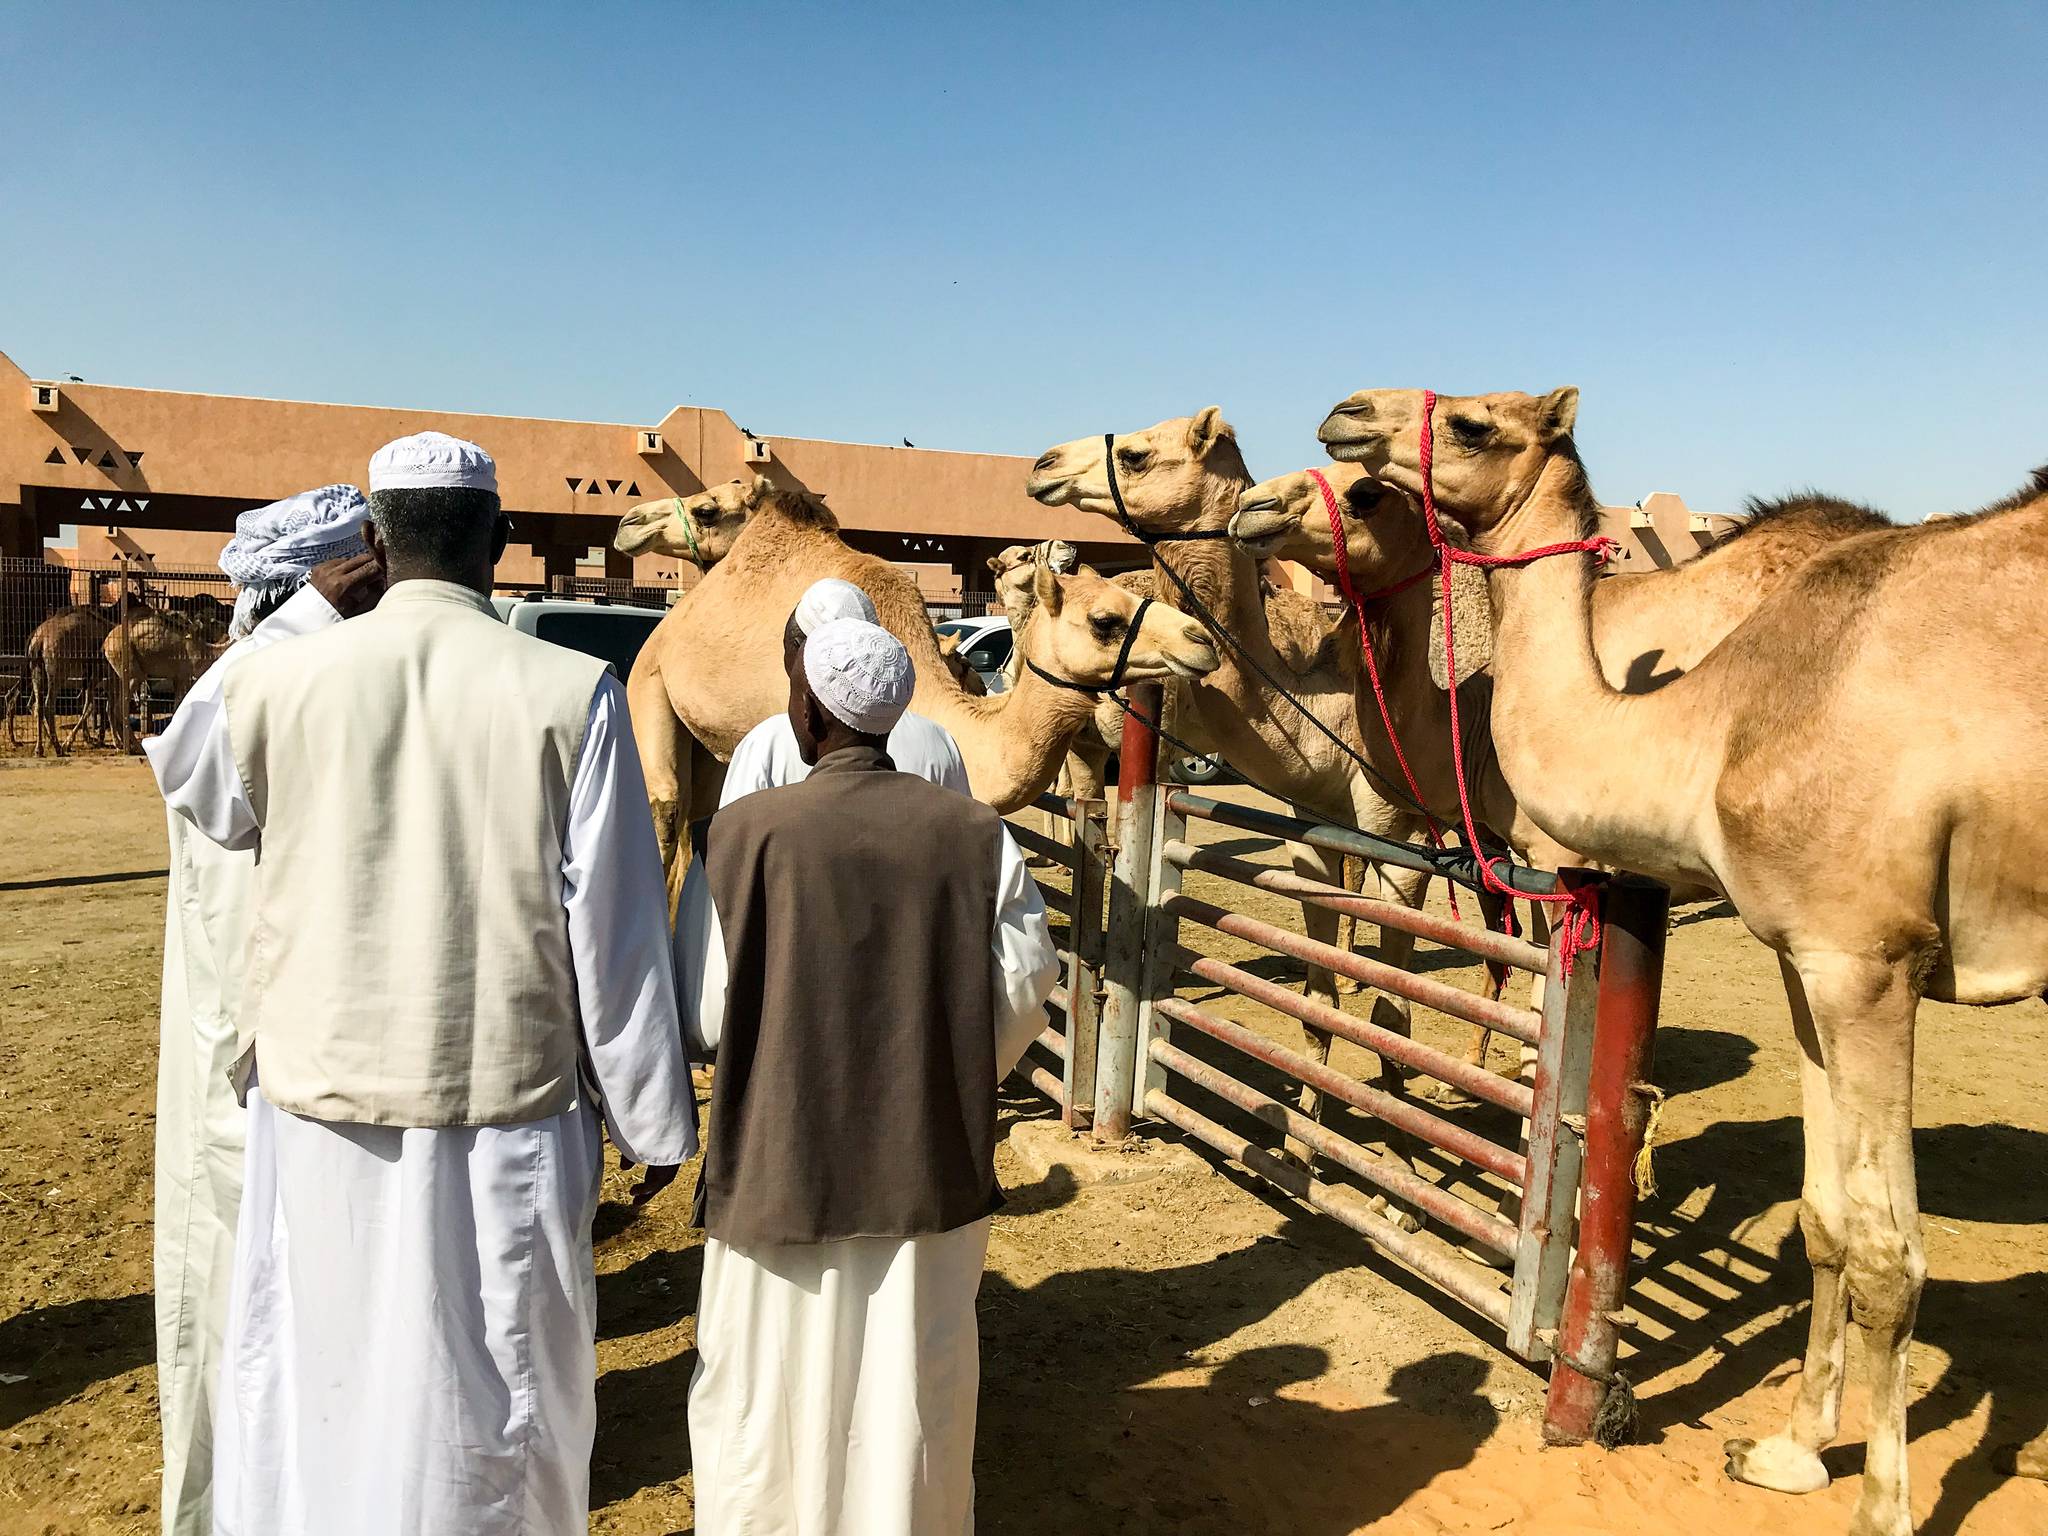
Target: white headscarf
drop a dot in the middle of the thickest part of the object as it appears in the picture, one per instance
(824, 601)
(274, 547)
(861, 673)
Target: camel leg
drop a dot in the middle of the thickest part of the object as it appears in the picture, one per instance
(1347, 926)
(1319, 983)
(659, 736)
(1865, 1216)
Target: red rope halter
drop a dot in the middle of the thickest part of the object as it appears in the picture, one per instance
(1581, 923)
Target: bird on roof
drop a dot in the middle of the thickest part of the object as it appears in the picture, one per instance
(908, 443)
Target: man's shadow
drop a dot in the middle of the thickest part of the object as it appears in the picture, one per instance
(62, 1350)
(1241, 1453)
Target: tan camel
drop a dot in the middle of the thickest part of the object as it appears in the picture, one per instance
(151, 647)
(699, 529)
(1647, 628)
(726, 653)
(63, 652)
(1857, 768)
(968, 679)
(1184, 476)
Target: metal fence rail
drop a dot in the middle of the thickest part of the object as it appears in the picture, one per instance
(1476, 1204)
(1061, 1062)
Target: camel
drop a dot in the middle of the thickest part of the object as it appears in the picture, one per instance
(719, 657)
(699, 529)
(63, 652)
(1185, 476)
(1858, 769)
(968, 679)
(151, 645)
(1648, 628)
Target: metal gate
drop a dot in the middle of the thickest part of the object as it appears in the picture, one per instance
(1551, 1215)
(1061, 1062)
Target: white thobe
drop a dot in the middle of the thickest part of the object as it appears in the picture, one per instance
(767, 756)
(199, 1124)
(411, 1336)
(837, 1383)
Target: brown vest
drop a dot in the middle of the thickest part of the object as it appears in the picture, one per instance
(856, 1088)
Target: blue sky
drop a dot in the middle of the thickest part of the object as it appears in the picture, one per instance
(1774, 246)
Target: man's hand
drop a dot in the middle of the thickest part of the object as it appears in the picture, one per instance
(657, 1178)
(351, 584)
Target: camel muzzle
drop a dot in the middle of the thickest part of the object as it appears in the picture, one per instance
(1259, 527)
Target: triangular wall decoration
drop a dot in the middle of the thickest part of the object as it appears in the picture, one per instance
(56, 456)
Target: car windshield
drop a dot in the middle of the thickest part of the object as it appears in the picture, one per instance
(612, 634)
(989, 652)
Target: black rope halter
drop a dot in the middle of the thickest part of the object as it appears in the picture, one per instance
(1116, 673)
(1144, 536)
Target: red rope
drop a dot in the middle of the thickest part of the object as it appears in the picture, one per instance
(1580, 926)
(1372, 666)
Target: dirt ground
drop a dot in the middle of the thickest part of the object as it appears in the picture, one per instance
(1178, 1355)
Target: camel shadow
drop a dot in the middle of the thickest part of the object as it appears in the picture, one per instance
(62, 1350)
(1989, 1329)
(643, 1428)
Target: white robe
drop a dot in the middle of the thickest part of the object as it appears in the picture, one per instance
(199, 1125)
(411, 1337)
(767, 756)
(837, 1383)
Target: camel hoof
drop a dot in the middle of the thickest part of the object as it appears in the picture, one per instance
(1777, 1464)
(1442, 1095)
(2028, 1460)
(1400, 1216)
(1349, 986)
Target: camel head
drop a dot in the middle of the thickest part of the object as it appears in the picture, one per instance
(1016, 573)
(1175, 477)
(1285, 518)
(700, 528)
(1083, 620)
(1488, 450)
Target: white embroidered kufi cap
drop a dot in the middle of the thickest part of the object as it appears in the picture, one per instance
(432, 459)
(861, 673)
(824, 601)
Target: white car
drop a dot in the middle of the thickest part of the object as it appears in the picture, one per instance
(985, 645)
(612, 632)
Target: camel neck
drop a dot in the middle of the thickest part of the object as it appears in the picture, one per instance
(1224, 581)
(1012, 742)
(1602, 772)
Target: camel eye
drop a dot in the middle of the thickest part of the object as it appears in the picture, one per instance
(1470, 433)
(1106, 626)
(1133, 459)
(1361, 498)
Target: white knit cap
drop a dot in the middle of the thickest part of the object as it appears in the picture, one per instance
(432, 459)
(861, 673)
(824, 601)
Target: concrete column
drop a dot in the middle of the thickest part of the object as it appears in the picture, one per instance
(20, 538)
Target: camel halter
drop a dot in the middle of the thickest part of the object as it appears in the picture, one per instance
(1581, 924)
(1200, 610)
(1116, 673)
(689, 531)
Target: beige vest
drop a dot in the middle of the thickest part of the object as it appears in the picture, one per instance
(408, 959)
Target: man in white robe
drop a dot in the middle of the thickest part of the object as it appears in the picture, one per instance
(458, 964)
(299, 565)
(869, 957)
(767, 755)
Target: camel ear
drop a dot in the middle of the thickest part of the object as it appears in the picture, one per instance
(1560, 413)
(1472, 612)
(1206, 428)
(993, 563)
(1045, 585)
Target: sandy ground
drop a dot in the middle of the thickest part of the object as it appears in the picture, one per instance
(1178, 1355)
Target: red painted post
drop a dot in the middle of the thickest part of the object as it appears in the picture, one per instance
(1130, 900)
(1634, 917)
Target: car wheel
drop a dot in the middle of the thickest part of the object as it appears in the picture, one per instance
(1198, 770)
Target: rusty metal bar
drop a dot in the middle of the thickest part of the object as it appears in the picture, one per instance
(1476, 1080)
(1057, 998)
(1455, 865)
(1055, 899)
(1084, 964)
(1053, 1041)
(1130, 903)
(1458, 1277)
(1059, 852)
(1403, 1114)
(1043, 1081)
(1518, 1023)
(1483, 942)
(1634, 917)
(1549, 1202)
(1440, 1205)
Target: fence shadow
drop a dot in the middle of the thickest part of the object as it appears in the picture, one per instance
(1990, 1330)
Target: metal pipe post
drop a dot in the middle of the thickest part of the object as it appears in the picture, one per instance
(1634, 918)
(1130, 900)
